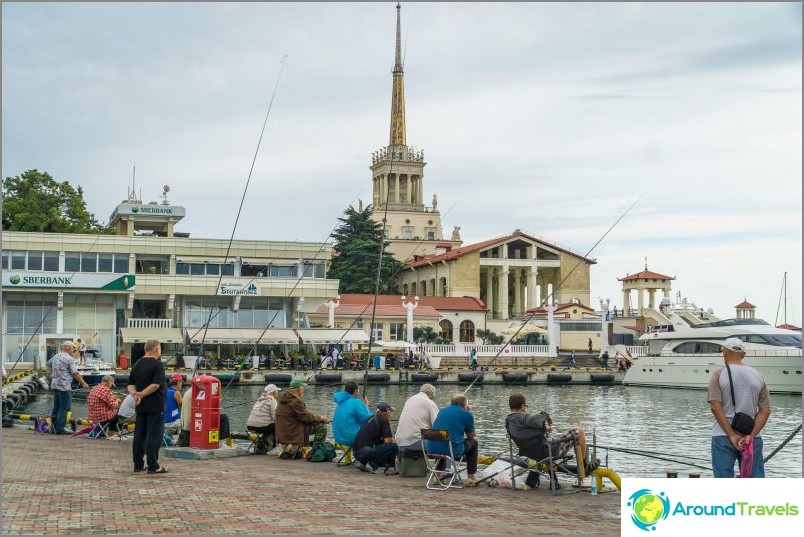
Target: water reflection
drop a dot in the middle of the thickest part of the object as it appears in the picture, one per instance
(674, 423)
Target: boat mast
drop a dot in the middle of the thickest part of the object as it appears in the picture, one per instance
(782, 300)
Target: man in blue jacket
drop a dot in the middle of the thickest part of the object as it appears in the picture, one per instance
(350, 414)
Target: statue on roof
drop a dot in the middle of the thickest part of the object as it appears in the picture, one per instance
(435, 203)
(456, 234)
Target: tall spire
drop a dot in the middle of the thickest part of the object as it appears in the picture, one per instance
(398, 96)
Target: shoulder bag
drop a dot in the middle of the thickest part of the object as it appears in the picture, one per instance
(741, 423)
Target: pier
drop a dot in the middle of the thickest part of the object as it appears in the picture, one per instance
(65, 485)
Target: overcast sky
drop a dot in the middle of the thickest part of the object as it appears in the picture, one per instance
(552, 118)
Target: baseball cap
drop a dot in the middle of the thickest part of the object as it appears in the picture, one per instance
(734, 344)
(176, 376)
(271, 388)
(384, 407)
(297, 384)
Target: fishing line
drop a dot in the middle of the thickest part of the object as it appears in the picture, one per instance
(560, 283)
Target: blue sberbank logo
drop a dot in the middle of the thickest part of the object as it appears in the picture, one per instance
(648, 508)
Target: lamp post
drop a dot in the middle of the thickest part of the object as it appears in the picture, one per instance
(605, 316)
(410, 306)
(332, 305)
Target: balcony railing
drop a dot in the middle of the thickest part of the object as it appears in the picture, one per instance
(150, 323)
(462, 349)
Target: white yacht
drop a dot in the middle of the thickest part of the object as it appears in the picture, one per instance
(684, 355)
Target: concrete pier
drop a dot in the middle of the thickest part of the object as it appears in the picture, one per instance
(64, 485)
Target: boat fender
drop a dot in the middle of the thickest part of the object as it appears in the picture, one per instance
(43, 383)
(469, 377)
(559, 378)
(515, 378)
(423, 377)
(328, 378)
(378, 379)
(278, 378)
(601, 378)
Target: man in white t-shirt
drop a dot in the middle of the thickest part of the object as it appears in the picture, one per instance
(419, 413)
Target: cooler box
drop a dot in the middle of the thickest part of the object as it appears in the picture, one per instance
(412, 463)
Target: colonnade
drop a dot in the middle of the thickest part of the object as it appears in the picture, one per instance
(398, 188)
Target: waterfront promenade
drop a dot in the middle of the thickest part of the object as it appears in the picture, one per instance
(66, 485)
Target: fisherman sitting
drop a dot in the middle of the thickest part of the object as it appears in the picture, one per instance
(531, 434)
(262, 419)
(350, 414)
(374, 444)
(295, 424)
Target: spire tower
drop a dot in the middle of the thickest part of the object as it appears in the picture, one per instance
(398, 96)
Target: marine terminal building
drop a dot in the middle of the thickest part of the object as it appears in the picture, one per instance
(115, 291)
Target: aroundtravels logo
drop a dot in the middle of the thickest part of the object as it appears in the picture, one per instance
(648, 508)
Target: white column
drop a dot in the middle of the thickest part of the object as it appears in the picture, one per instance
(640, 300)
(396, 192)
(503, 286)
(532, 293)
(651, 298)
(60, 313)
(490, 289)
(522, 275)
(604, 328)
(517, 291)
(626, 301)
(332, 305)
(409, 190)
(552, 337)
(410, 306)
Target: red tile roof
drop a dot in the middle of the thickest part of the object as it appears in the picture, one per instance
(541, 310)
(745, 305)
(646, 275)
(365, 310)
(471, 248)
(456, 303)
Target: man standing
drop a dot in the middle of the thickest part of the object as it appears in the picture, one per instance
(457, 419)
(374, 445)
(63, 370)
(147, 384)
(749, 396)
(82, 351)
(605, 358)
(419, 412)
(295, 424)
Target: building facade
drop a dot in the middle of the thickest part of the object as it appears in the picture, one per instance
(116, 291)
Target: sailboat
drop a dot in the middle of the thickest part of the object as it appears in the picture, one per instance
(783, 305)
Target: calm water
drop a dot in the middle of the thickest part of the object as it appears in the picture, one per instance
(674, 424)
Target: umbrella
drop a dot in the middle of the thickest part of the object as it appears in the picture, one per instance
(529, 328)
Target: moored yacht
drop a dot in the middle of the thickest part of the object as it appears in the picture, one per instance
(684, 356)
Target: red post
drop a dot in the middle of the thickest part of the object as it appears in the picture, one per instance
(205, 420)
(123, 361)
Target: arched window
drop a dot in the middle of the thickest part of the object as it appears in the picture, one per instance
(432, 287)
(413, 288)
(467, 332)
(445, 329)
(423, 287)
(442, 285)
(405, 289)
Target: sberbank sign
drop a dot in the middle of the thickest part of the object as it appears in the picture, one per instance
(153, 210)
(100, 282)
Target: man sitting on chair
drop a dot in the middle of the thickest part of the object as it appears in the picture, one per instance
(530, 432)
(262, 419)
(350, 414)
(102, 405)
(458, 420)
(374, 444)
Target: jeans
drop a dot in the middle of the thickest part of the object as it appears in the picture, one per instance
(148, 432)
(62, 404)
(724, 455)
(469, 456)
(381, 455)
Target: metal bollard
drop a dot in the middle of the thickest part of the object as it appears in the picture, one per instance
(694, 474)
(672, 473)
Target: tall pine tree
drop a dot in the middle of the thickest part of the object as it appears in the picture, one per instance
(357, 246)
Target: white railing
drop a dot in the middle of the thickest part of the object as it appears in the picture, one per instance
(150, 323)
(463, 349)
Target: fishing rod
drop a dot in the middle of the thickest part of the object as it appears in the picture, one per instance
(784, 443)
(650, 456)
(560, 283)
(245, 191)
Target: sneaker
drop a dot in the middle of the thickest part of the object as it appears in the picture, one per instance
(370, 468)
(390, 470)
(470, 483)
(360, 465)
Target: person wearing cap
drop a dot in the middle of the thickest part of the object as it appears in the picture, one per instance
(173, 402)
(751, 397)
(350, 414)
(294, 423)
(262, 419)
(62, 370)
(459, 421)
(374, 445)
(419, 413)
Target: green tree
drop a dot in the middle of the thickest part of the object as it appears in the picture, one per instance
(490, 338)
(357, 244)
(34, 201)
(424, 334)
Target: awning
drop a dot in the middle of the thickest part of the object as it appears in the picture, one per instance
(394, 344)
(242, 335)
(332, 335)
(194, 259)
(141, 335)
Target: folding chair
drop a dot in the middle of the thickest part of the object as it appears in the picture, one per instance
(545, 467)
(451, 471)
(99, 430)
(347, 459)
(266, 440)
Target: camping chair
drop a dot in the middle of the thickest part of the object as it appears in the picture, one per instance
(99, 430)
(347, 459)
(546, 467)
(450, 475)
(258, 439)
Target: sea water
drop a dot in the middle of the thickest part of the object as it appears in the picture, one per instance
(672, 425)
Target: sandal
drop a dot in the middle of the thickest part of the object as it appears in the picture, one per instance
(160, 470)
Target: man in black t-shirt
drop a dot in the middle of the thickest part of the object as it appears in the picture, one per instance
(147, 384)
(374, 445)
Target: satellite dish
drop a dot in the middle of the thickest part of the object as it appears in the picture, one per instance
(166, 189)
